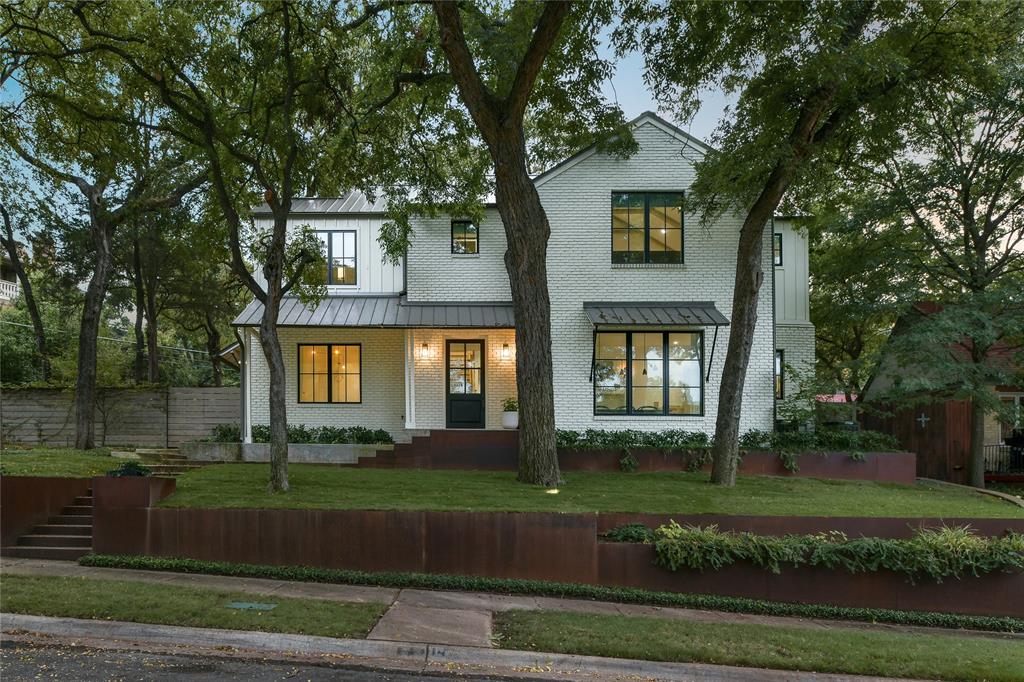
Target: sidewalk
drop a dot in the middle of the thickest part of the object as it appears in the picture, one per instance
(389, 656)
(452, 618)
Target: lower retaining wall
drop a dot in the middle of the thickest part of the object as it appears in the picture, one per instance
(539, 546)
(26, 501)
(302, 453)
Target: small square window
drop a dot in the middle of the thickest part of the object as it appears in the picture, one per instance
(465, 237)
(647, 228)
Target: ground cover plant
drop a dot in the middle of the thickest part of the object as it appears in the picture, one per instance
(428, 581)
(326, 435)
(141, 602)
(826, 650)
(328, 487)
(62, 462)
(932, 553)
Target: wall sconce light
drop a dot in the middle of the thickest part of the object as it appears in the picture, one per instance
(506, 352)
(424, 351)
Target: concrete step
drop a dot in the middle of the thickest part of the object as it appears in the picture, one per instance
(71, 520)
(60, 553)
(77, 510)
(156, 451)
(55, 541)
(85, 500)
(47, 529)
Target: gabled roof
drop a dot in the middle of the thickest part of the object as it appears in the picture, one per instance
(648, 117)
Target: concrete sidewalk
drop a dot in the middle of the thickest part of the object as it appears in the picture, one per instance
(375, 655)
(436, 617)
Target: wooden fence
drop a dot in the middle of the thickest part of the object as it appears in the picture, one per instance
(163, 417)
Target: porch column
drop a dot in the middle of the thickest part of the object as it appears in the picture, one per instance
(410, 378)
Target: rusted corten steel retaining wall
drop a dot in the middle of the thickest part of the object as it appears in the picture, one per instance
(26, 501)
(539, 546)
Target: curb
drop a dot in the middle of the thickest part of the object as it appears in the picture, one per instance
(400, 655)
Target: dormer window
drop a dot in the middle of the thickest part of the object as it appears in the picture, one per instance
(465, 237)
(647, 227)
(340, 246)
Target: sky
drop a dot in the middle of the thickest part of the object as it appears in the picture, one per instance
(628, 89)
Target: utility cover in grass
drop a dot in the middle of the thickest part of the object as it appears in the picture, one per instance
(251, 605)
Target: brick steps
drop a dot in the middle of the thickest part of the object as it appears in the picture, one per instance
(66, 536)
(451, 449)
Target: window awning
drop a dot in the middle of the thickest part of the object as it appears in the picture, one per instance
(387, 310)
(679, 313)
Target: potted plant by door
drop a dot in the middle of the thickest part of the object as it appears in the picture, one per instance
(510, 413)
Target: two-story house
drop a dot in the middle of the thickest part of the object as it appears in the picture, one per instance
(640, 297)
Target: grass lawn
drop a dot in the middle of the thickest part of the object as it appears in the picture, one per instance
(140, 602)
(327, 487)
(837, 650)
(60, 462)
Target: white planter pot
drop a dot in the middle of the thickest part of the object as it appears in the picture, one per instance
(510, 420)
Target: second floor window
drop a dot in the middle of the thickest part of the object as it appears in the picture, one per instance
(341, 256)
(780, 386)
(647, 227)
(777, 249)
(465, 237)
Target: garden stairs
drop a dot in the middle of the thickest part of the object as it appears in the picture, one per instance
(451, 449)
(65, 536)
(164, 462)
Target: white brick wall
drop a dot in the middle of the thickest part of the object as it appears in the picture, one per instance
(436, 274)
(499, 373)
(383, 380)
(797, 343)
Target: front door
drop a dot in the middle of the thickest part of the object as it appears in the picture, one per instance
(465, 384)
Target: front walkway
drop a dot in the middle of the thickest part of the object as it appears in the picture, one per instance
(436, 617)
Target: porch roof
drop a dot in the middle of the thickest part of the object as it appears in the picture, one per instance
(695, 313)
(385, 310)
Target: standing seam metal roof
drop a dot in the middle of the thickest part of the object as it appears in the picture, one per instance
(699, 313)
(382, 311)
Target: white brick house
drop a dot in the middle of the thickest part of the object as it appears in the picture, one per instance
(640, 293)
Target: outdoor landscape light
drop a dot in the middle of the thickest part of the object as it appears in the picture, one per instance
(506, 352)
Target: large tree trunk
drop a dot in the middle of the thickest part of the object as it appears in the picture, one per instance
(527, 231)
(273, 271)
(85, 386)
(152, 341)
(213, 349)
(139, 366)
(38, 331)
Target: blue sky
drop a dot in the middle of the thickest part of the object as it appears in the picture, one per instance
(627, 87)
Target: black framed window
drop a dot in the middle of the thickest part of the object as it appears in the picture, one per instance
(780, 385)
(465, 237)
(647, 227)
(340, 246)
(330, 373)
(777, 249)
(649, 373)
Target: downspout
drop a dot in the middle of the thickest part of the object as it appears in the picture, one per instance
(775, 321)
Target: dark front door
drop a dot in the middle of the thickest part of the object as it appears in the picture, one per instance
(465, 384)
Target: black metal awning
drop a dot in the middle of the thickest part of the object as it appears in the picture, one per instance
(680, 313)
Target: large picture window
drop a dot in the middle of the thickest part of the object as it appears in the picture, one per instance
(648, 373)
(330, 373)
(647, 227)
(340, 247)
(465, 237)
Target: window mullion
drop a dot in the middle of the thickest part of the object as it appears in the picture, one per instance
(330, 257)
(664, 373)
(629, 372)
(647, 228)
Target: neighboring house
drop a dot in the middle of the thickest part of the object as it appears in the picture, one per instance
(640, 295)
(8, 282)
(940, 431)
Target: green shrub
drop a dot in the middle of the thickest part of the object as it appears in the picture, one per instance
(325, 435)
(631, 532)
(628, 463)
(431, 581)
(935, 554)
(226, 433)
(601, 439)
(129, 468)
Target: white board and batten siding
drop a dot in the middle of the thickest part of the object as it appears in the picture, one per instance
(374, 275)
(792, 304)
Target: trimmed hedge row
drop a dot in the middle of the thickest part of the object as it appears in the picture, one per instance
(302, 434)
(931, 553)
(553, 589)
